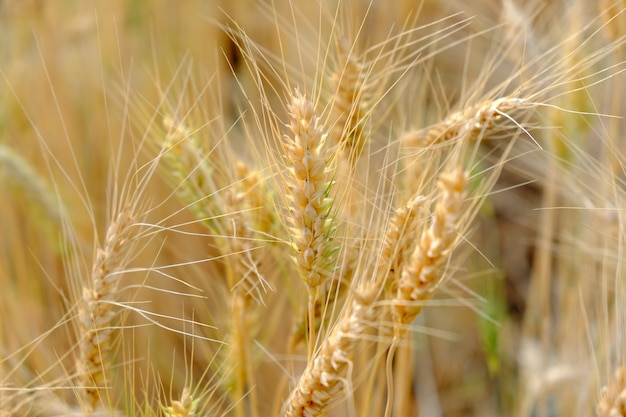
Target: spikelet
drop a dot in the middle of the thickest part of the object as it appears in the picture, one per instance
(422, 274)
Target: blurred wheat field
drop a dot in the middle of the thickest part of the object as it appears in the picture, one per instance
(348, 207)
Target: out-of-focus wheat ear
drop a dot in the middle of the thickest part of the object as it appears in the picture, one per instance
(351, 103)
(612, 403)
(422, 274)
(187, 406)
(308, 184)
(324, 378)
(97, 312)
(471, 123)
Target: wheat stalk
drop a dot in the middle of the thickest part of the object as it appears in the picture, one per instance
(188, 168)
(310, 187)
(245, 278)
(422, 274)
(246, 285)
(322, 380)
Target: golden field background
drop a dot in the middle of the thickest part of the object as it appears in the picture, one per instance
(529, 319)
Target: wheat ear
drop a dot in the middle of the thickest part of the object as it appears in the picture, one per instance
(469, 124)
(324, 376)
(96, 311)
(422, 274)
(613, 401)
(309, 182)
